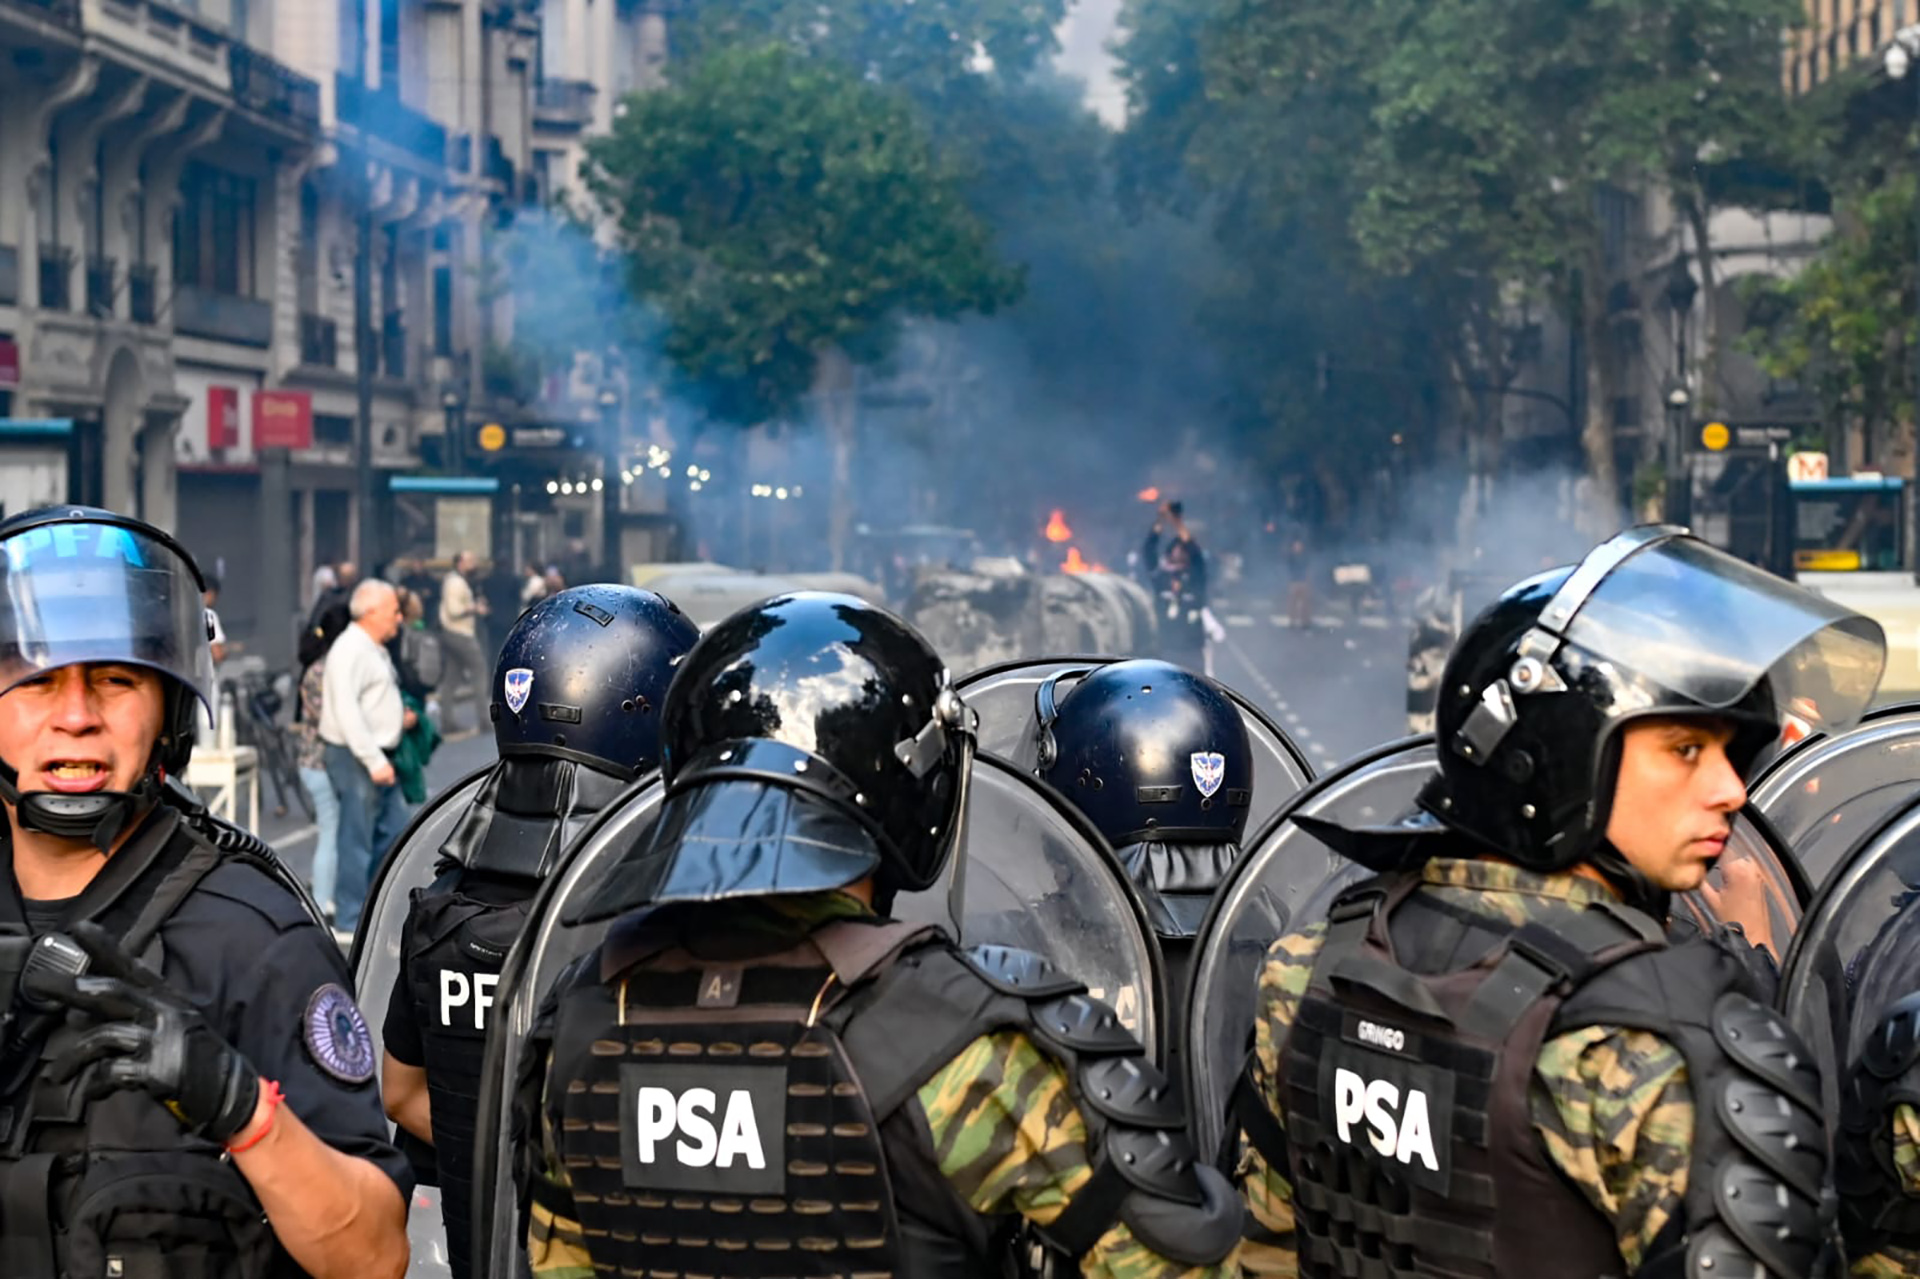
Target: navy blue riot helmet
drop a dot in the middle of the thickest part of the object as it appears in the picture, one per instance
(1159, 760)
(1149, 751)
(583, 676)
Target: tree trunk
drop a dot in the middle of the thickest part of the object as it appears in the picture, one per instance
(833, 387)
(1602, 499)
(1700, 217)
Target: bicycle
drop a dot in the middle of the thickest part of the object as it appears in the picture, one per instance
(257, 704)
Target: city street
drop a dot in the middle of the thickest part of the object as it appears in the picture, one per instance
(1337, 690)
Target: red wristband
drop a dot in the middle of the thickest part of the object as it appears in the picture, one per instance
(274, 1098)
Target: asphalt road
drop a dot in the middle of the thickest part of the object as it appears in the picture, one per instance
(1337, 688)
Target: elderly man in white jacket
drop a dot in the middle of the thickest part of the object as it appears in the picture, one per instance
(361, 719)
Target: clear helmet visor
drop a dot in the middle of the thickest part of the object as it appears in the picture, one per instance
(1681, 615)
(80, 592)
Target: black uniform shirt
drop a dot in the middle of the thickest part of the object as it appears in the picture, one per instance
(244, 950)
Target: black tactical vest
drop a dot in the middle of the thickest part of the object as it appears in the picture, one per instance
(750, 1119)
(116, 1187)
(459, 931)
(1408, 1130)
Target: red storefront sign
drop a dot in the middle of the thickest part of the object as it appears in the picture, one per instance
(223, 417)
(9, 362)
(282, 420)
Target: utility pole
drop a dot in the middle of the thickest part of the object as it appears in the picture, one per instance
(372, 535)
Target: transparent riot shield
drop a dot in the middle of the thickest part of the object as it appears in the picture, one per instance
(1030, 873)
(1003, 696)
(1822, 796)
(1288, 878)
(375, 960)
(375, 957)
(1859, 947)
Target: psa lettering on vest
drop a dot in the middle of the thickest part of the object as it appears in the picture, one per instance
(1406, 1137)
(470, 991)
(1393, 1111)
(708, 1128)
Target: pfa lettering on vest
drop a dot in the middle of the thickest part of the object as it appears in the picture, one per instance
(719, 1129)
(1395, 1113)
(470, 993)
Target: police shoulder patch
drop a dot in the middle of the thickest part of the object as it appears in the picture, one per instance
(336, 1035)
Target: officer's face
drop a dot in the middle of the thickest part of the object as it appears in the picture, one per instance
(1674, 803)
(82, 728)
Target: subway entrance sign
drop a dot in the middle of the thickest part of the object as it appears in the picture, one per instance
(1720, 436)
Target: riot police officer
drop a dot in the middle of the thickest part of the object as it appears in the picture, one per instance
(1492, 1059)
(184, 1078)
(758, 1061)
(1158, 759)
(577, 692)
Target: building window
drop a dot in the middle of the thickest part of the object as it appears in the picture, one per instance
(213, 231)
(443, 310)
(390, 46)
(308, 250)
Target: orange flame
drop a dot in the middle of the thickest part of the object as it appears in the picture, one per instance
(1148, 494)
(1073, 562)
(1057, 530)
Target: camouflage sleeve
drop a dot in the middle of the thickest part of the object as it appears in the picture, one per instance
(1283, 983)
(1009, 1138)
(1892, 1262)
(1615, 1110)
(556, 1244)
(1906, 1148)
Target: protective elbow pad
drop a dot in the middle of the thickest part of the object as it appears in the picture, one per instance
(1201, 1234)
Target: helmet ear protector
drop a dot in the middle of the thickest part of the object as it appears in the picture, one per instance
(1046, 706)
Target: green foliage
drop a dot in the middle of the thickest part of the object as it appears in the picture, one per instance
(773, 208)
(929, 47)
(1844, 328)
(1432, 162)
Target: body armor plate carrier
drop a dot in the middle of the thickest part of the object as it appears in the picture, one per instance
(1408, 1129)
(459, 936)
(751, 1119)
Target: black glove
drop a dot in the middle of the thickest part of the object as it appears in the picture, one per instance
(147, 1037)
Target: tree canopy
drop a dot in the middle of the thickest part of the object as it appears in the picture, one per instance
(774, 208)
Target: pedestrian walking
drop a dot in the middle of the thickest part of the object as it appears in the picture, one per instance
(361, 720)
(311, 759)
(466, 666)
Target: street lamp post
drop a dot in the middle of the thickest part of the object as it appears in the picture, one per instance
(1900, 58)
(455, 453)
(609, 402)
(1680, 475)
(1681, 293)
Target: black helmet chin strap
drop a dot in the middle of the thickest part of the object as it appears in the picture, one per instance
(98, 817)
(1630, 882)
